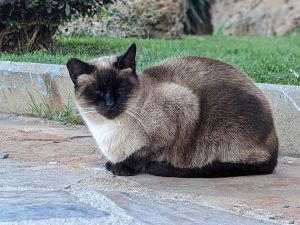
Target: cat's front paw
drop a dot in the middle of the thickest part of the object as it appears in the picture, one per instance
(108, 165)
(121, 169)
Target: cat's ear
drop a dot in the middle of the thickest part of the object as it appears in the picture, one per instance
(127, 60)
(77, 67)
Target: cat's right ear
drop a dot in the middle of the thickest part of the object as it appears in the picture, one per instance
(77, 67)
(127, 60)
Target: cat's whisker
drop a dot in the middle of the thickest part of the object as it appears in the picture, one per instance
(87, 109)
(132, 107)
(134, 110)
(137, 118)
(84, 111)
(87, 112)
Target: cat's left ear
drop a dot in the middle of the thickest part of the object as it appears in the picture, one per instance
(127, 60)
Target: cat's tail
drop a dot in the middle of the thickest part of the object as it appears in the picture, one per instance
(215, 169)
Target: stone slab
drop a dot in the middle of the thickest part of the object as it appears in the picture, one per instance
(52, 83)
(38, 212)
(46, 177)
(40, 205)
(29, 139)
(286, 176)
(150, 211)
(277, 194)
(271, 198)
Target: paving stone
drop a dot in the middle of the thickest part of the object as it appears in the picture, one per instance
(30, 135)
(253, 195)
(34, 205)
(169, 212)
(37, 142)
(144, 203)
(285, 177)
(39, 177)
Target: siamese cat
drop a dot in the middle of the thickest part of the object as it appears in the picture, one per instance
(184, 117)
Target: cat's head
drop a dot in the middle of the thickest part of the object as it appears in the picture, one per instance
(104, 85)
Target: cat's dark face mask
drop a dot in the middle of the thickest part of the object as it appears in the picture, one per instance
(105, 89)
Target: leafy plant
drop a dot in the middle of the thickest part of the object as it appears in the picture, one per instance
(32, 23)
(103, 12)
(198, 17)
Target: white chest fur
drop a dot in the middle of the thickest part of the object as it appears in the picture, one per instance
(116, 140)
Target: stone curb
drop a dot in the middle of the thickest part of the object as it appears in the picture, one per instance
(52, 83)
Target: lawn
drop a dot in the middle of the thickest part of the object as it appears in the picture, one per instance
(264, 59)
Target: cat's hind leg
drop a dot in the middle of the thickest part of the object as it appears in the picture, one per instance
(215, 169)
(165, 169)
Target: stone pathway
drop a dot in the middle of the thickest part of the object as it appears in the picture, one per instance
(52, 173)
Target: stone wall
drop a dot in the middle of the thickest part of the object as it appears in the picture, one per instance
(146, 19)
(164, 18)
(134, 18)
(256, 17)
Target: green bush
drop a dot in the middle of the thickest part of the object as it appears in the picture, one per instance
(32, 23)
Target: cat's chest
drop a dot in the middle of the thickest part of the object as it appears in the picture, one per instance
(115, 140)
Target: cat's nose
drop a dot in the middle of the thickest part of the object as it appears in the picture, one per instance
(109, 100)
(110, 103)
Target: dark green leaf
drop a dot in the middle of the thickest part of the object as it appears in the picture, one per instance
(61, 4)
(49, 10)
(68, 10)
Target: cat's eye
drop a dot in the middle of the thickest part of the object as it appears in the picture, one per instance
(122, 88)
(99, 93)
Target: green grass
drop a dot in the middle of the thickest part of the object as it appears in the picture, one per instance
(264, 59)
(45, 110)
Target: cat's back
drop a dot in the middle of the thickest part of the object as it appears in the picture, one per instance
(204, 76)
(195, 71)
